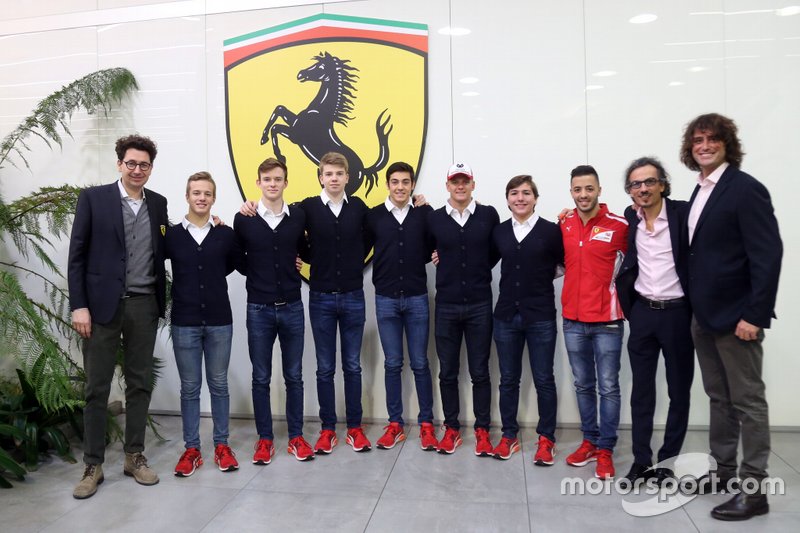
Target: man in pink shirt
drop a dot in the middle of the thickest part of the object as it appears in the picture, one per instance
(652, 291)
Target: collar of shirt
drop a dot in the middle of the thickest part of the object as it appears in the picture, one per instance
(469, 209)
(186, 224)
(529, 223)
(391, 207)
(265, 211)
(327, 199)
(713, 177)
(124, 194)
(662, 215)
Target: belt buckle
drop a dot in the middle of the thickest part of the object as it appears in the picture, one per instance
(280, 303)
(657, 304)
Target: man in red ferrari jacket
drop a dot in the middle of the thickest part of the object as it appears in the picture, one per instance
(595, 241)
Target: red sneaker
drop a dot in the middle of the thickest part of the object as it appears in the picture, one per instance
(427, 437)
(585, 454)
(605, 464)
(300, 449)
(506, 448)
(188, 463)
(450, 441)
(225, 458)
(264, 452)
(483, 446)
(326, 442)
(545, 452)
(357, 440)
(394, 434)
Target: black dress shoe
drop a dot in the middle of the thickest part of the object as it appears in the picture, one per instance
(711, 483)
(741, 507)
(639, 471)
(662, 474)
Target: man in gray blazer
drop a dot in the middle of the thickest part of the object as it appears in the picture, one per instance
(117, 291)
(735, 253)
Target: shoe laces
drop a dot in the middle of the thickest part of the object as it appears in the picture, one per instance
(261, 445)
(450, 434)
(481, 435)
(139, 460)
(224, 451)
(89, 471)
(427, 430)
(394, 429)
(300, 443)
(190, 454)
(545, 443)
(604, 458)
(586, 447)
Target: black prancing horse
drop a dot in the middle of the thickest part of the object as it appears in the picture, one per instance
(312, 128)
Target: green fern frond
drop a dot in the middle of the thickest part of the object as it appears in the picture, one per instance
(94, 92)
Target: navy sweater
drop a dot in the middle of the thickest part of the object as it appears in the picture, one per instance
(401, 251)
(271, 271)
(527, 271)
(466, 255)
(199, 287)
(337, 246)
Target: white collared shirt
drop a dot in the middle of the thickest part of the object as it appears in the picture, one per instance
(334, 207)
(399, 214)
(521, 229)
(198, 233)
(707, 185)
(272, 219)
(132, 202)
(460, 218)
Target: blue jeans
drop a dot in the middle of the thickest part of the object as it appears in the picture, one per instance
(191, 345)
(510, 338)
(394, 315)
(265, 322)
(326, 311)
(473, 323)
(594, 351)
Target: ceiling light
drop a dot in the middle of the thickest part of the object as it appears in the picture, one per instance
(593, 87)
(698, 69)
(787, 11)
(605, 73)
(676, 83)
(644, 18)
(469, 79)
(470, 93)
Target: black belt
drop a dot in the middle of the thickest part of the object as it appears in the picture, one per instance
(663, 304)
(135, 294)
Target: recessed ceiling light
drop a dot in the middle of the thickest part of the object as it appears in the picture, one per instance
(449, 30)
(470, 93)
(469, 79)
(676, 83)
(644, 18)
(593, 87)
(787, 11)
(698, 69)
(605, 73)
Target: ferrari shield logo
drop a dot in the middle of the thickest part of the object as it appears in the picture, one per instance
(327, 83)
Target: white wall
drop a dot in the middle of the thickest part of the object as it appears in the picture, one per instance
(543, 106)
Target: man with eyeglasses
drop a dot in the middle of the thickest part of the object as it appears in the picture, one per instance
(117, 291)
(652, 291)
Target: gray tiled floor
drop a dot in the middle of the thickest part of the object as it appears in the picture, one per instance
(403, 489)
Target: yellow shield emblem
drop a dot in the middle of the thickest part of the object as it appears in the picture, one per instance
(327, 83)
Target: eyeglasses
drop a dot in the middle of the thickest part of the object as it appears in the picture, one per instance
(133, 164)
(636, 185)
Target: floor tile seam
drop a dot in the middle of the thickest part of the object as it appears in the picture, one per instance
(386, 482)
(231, 499)
(527, 495)
(787, 463)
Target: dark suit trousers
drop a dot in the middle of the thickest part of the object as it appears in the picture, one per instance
(135, 324)
(653, 331)
(731, 370)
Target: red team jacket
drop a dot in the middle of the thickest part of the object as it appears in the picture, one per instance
(592, 255)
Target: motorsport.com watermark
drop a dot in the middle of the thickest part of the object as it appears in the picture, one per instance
(651, 498)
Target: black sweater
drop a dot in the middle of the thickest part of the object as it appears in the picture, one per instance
(271, 271)
(401, 251)
(199, 287)
(527, 271)
(466, 258)
(337, 246)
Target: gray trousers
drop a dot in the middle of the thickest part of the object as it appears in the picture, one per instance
(731, 370)
(135, 324)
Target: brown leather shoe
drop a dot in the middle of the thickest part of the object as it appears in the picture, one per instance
(136, 467)
(92, 477)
